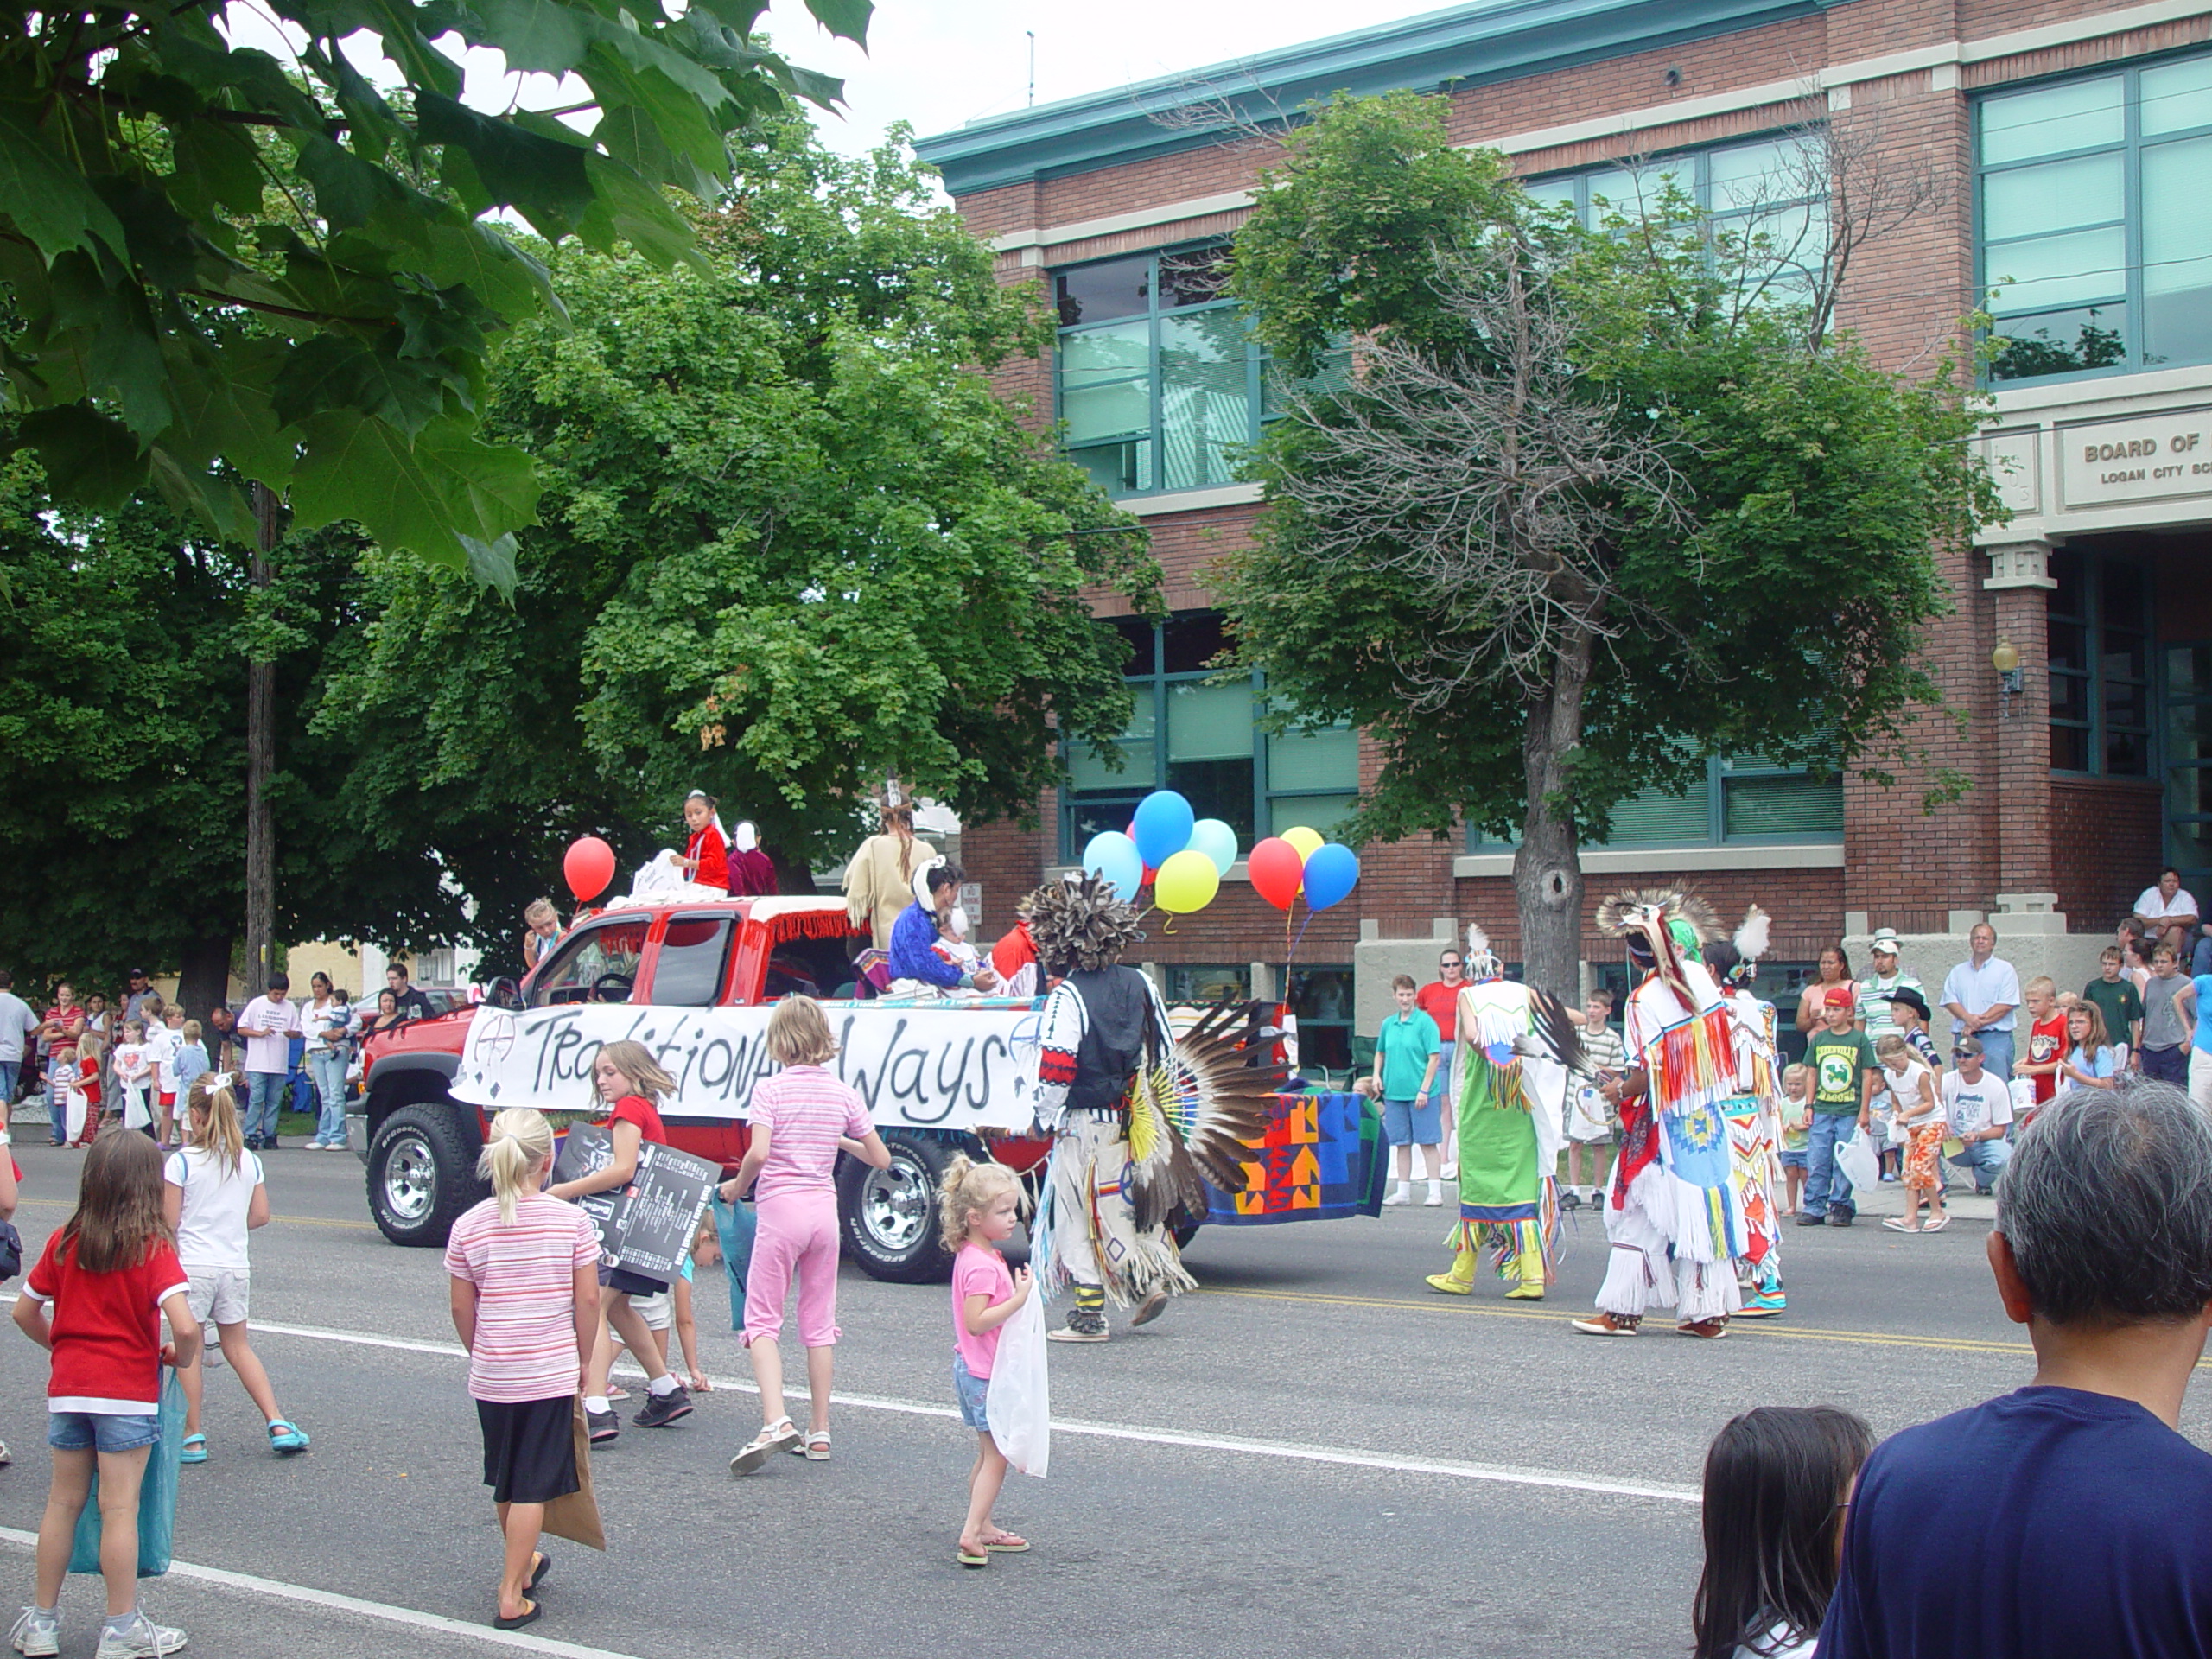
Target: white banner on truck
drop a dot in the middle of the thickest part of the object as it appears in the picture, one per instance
(946, 1065)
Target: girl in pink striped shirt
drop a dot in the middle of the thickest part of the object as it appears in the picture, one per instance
(525, 1272)
(802, 1118)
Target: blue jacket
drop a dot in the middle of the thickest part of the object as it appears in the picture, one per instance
(913, 954)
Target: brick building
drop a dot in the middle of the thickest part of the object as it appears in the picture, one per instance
(2063, 135)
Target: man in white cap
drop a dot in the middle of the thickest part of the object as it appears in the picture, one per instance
(1875, 1017)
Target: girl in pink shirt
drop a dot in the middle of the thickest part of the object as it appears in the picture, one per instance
(976, 1208)
(802, 1118)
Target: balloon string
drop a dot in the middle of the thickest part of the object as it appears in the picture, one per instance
(1167, 927)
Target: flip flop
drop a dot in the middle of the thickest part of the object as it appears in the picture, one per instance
(195, 1449)
(545, 1565)
(285, 1439)
(1897, 1226)
(968, 1557)
(1007, 1544)
(1937, 1225)
(503, 1622)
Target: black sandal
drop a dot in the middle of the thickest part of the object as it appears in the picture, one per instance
(545, 1565)
(503, 1622)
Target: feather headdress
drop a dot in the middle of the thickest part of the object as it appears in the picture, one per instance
(1620, 913)
(1482, 960)
(1079, 923)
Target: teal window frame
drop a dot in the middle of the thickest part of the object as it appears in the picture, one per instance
(1086, 813)
(2129, 295)
(1720, 771)
(1142, 469)
(2089, 675)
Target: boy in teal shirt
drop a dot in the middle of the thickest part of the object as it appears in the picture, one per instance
(1406, 1052)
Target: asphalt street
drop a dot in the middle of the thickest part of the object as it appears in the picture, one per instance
(1316, 1454)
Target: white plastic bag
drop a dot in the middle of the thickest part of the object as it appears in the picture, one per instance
(663, 873)
(1857, 1159)
(77, 1104)
(1017, 1400)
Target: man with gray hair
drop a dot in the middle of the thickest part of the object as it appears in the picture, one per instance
(2069, 1517)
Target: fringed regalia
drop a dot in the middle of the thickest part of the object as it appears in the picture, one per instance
(1142, 1119)
(1755, 1164)
(1509, 1088)
(1674, 1216)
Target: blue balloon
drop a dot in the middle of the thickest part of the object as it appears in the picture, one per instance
(1113, 855)
(1331, 873)
(1217, 840)
(1162, 827)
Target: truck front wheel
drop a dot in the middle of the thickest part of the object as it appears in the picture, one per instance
(890, 1215)
(421, 1175)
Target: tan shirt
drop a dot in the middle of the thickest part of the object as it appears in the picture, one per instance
(875, 888)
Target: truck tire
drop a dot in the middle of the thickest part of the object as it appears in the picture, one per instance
(421, 1174)
(889, 1216)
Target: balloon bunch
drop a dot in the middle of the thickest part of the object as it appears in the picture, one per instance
(1181, 857)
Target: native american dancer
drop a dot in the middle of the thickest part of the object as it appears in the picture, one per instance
(1142, 1119)
(1672, 1216)
(1509, 1087)
(1754, 1119)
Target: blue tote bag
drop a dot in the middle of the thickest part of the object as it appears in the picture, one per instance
(156, 1496)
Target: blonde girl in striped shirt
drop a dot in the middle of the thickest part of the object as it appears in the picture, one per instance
(525, 1275)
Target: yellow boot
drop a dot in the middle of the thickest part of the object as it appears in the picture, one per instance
(1460, 1282)
(1529, 1267)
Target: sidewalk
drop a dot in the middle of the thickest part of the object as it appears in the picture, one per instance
(1888, 1199)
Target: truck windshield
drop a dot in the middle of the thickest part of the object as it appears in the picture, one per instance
(598, 962)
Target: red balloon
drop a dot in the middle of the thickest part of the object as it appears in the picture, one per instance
(589, 865)
(1277, 872)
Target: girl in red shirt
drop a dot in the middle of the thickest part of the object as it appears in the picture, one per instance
(95, 1302)
(706, 855)
(88, 1084)
(629, 1080)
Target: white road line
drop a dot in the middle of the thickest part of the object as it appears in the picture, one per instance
(278, 1590)
(1450, 1468)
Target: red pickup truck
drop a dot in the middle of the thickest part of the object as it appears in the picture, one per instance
(693, 981)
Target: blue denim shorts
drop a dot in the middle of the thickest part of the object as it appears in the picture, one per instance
(974, 1392)
(90, 1431)
(1795, 1158)
(1405, 1124)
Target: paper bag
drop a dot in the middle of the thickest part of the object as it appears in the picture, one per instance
(576, 1517)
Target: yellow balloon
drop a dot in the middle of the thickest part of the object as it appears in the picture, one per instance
(1187, 881)
(1308, 841)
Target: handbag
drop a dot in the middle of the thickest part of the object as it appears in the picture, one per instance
(12, 1250)
(575, 1517)
(157, 1495)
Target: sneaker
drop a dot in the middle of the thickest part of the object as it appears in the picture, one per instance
(138, 1638)
(1570, 1199)
(604, 1426)
(1084, 1324)
(1840, 1219)
(37, 1634)
(254, 1143)
(1812, 1221)
(1398, 1195)
(662, 1409)
(1435, 1197)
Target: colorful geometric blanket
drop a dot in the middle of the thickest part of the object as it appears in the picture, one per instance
(1323, 1158)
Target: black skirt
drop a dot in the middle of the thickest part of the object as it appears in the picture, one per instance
(529, 1449)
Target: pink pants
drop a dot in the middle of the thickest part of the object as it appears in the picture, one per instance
(797, 1234)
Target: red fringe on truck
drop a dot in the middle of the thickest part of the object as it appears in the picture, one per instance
(809, 924)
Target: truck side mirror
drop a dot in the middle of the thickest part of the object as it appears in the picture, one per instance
(504, 992)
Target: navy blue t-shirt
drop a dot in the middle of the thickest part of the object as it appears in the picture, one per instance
(2046, 1524)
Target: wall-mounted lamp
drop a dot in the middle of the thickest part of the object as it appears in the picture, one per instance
(2009, 680)
(1674, 77)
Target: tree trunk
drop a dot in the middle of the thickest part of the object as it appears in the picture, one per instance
(1546, 873)
(204, 978)
(260, 764)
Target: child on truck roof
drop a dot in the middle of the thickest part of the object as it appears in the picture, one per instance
(629, 1081)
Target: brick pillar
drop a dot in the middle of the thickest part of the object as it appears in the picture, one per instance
(2017, 581)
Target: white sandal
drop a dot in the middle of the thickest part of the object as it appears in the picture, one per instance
(815, 1447)
(772, 1437)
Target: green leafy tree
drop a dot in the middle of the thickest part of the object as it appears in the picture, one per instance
(216, 256)
(1581, 519)
(123, 734)
(791, 545)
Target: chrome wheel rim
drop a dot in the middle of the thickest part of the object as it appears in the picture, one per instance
(895, 1203)
(410, 1177)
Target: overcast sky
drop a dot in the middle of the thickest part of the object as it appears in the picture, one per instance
(940, 64)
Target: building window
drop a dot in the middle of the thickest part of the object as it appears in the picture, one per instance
(1204, 982)
(1204, 741)
(2099, 635)
(1321, 997)
(1761, 198)
(2094, 235)
(1744, 800)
